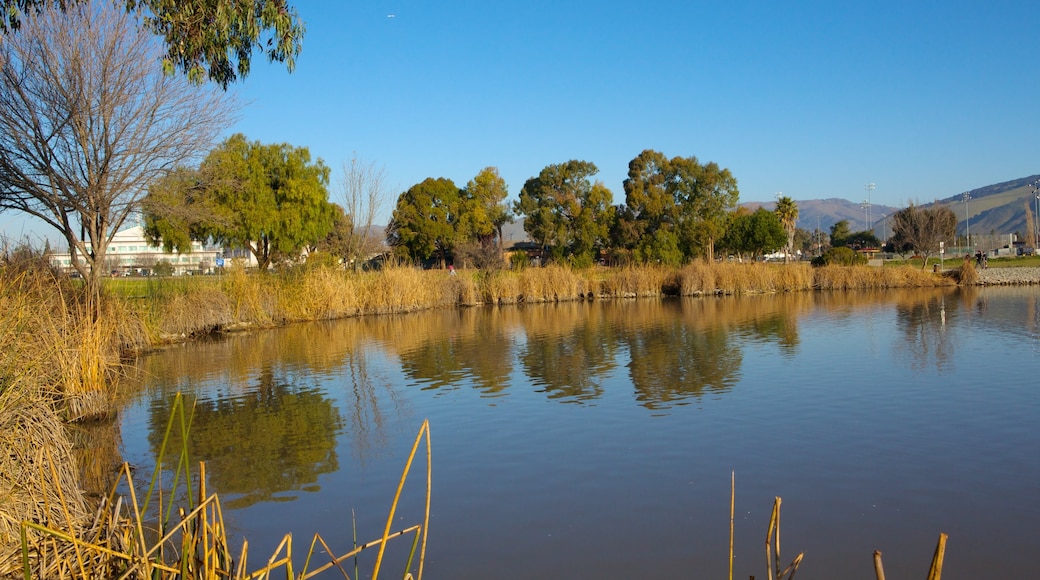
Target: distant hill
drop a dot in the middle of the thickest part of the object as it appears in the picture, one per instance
(997, 209)
(824, 213)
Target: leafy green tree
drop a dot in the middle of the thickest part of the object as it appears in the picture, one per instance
(863, 239)
(424, 221)
(921, 229)
(705, 194)
(754, 234)
(787, 211)
(203, 38)
(840, 233)
(650, 203)
(484, 212)
(678, 195)
(271, 199)
(565, 212)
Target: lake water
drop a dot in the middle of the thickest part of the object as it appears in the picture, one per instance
(597, 440)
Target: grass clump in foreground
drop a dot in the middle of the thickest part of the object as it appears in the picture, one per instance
(150, 537)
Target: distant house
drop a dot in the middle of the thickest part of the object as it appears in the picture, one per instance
(131, 253)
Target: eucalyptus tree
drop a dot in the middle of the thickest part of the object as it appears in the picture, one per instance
(565, 212)
(424, 221)
(88, 123)
(787, 211)
(269, 199)
(213, 38)
(705, 194)
(676, 202)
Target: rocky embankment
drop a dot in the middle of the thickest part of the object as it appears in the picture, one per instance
(1004, 276)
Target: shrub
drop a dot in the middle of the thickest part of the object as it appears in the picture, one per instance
(840, 256)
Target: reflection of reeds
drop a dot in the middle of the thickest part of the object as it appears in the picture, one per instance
(187, 542)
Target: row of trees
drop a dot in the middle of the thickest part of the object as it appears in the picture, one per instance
(675, 210)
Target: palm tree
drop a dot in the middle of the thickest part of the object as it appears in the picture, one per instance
(787, 211)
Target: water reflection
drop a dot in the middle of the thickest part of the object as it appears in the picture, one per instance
(277, 436)
(333, 404)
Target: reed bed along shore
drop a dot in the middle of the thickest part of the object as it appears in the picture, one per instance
(177, 308)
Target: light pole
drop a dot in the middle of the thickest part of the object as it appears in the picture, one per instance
(967, 222)
(869, 187)
(1036, 217)
(866, 225)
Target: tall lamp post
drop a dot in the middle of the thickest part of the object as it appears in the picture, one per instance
(967, 223)
(869, 187)
(1036, 217)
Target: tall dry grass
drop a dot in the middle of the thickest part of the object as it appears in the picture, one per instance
(143, 534)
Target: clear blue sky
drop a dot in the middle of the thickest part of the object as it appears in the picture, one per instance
(812, 99)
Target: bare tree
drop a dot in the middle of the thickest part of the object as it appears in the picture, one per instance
(88, 122)
(364, 195)
(921, 229)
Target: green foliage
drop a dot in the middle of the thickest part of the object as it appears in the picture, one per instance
(839, 256)
(483, 211)
(566, 212)
(864, 239)
(840, 233)
(679, 195)
(661, 247)
(163, 268)
(754, 234)
(271, 199)
(787, 211)
(424, 220)
(212, 39)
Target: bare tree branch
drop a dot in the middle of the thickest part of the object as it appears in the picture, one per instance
(88, 122)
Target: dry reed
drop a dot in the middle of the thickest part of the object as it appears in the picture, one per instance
(190, 541)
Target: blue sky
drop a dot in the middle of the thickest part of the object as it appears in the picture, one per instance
(812, 99)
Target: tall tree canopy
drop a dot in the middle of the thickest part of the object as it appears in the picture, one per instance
(484, 211)
(424, 221)
(675, 202)
(203, 38)
(921, 229)
(271, 199)
(88, 123)
(565, 212)
(754, 234)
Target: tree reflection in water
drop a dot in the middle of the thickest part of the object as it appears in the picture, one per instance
(273, 438)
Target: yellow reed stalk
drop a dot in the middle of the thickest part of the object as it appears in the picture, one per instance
(397, 497)
(360, 549)
(65, 509)
(935, 572)
(241, 572)
(879, 569)
(732, 503)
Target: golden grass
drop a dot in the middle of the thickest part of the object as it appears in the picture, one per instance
(190, 541)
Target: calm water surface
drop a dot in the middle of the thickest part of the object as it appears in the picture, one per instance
(597, 440)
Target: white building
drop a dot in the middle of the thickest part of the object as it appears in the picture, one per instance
(131, 253)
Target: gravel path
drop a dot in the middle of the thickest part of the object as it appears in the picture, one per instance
(1003, 276)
